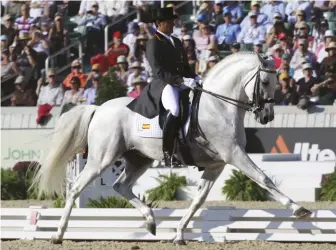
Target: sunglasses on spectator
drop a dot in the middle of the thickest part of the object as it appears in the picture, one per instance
(183, 30)
(302, 28)
(205, 28)
(51, 76)
(76, 67)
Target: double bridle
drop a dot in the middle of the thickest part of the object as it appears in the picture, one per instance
(257, 104)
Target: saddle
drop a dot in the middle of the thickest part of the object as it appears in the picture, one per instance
(182, 149)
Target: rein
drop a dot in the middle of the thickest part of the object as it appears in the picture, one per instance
(256, 105)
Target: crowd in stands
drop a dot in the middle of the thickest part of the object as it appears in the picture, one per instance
(299, 35)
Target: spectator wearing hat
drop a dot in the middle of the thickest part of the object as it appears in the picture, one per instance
(8, 29)
(130, 38)
(217, 18)
(52, 93)
(235, 10)
(330, 60)
(285, 67)
(86, 7)
(13, 8)
(190, 50)
(272, 7)
(203, 37)
(252, 32)
(261, 18)
(22, 95)
(284, 92)
(205, 13)
(258, 46)
(292, 8)
(326, 90)
(302, 31)
(284, 41)
(321, 53)
(59, 35)
(273, 31)
(90, 94)
(116, 49)
(277, 53)
(138, 83)
(39, 45)
(75, 71)
(318, 32)
(304, 85)
(122, 70)
(24, 22)
(139, 52)
(211, 62)
(8, 68)
(74, 94)
(135, 70)
(235, 48)
(227, 33)
(4, 42)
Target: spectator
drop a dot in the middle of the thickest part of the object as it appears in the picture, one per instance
(24, 22)
(235, 10)
(139, 53)
(130, 39)
(201, 64)
(258, 46)
(52, 93)
(211, 62)
(272, 7)
(139, 83)
(8, 68)
(74, 94)
(184, 31)
(37, 7)
(122, 70)
(33, 70)
(326, 90)
(96, 69)
(14, 7)
(59, 35)
(22, 95)
(302, 31)
(90, 94)
(330, 60)
(203, 37)
(277, 55)
(262, 19)
(8, 29)
(4, 42)
(95, 23)
(39, 45)
(227, 33)
(116, 49)
(76, 71)
(47, 16)
(319, 31)
(205, 12)
(252, 32)
(218, 15)
(235, 48)
(285, 65)
(283, 92)
(292, 8)
(190, 50)
(304, 85)
(136, 70)
(321, 53)
(275, 30)
(282, 37)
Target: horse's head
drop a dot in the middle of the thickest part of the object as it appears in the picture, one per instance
(260, 91)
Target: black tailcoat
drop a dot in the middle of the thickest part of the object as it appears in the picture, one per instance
(169, 65)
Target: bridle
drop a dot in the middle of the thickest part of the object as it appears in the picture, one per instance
(257, 104)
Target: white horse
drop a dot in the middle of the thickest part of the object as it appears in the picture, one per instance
(110, 133)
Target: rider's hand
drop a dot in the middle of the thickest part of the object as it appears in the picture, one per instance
(198, 80)
(189, 82)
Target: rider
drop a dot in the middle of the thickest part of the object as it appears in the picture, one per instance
(171, 73)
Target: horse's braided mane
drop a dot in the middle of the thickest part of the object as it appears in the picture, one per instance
(263, 61)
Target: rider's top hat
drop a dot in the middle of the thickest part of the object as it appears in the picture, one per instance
(163, 14)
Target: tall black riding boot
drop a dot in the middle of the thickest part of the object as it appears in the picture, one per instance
(170, 130)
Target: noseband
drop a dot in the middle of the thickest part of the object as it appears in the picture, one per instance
(257, 104)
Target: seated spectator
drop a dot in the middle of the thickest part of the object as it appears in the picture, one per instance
(184, 31)
(130, 38)
(300, 56)
(33, 71)
(138, 83)
(205, 11)
(135, 71)
(95, 23)
(319, 31)
(275, 30)
(330, 60)
(235, 10)
(217, 18)
(298, 10)
(13, 7)
(285, 65)
(122, 70)
(261, 18)
(96, 69)
(283, 92)
(37, 7)
(90, 94)
(74, 94)
(148, 30)
(59, 35)
(285, 45)
(211, 62)
(227, 33)
(139, 52)
(258, 46)
(8, 68)
(51, 93)
(75, 71)
(304, 85)
(116, 49)
(202, 60)
(252, 32)
(277, 55)
(235, 48)
(8, 29)
(190, 50)
(321, 53)
(4, 42)
(302, 32)
(22, 95)
(203, 37)
(326, 90)
(47, 17)
(24, 22)
(272, 7)
(39, 45)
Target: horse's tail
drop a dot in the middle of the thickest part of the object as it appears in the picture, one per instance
(70, 135)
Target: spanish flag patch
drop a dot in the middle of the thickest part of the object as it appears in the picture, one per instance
(145, 126)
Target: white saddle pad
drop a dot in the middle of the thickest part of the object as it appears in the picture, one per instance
(150, 128)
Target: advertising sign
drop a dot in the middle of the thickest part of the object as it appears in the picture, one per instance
(314, 144)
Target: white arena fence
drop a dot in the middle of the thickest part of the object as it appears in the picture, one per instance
(214, 224)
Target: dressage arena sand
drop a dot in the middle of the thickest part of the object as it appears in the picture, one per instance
(109, 245)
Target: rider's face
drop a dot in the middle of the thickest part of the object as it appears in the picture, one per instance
(166, 26)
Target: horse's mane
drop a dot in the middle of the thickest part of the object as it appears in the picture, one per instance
(264, 61)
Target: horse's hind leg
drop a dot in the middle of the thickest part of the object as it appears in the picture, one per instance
(136, 166)
(207, 180)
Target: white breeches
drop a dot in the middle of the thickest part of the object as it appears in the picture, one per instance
(170, 99)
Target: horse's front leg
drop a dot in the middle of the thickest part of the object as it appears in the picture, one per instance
(207, 180)
(242, 161)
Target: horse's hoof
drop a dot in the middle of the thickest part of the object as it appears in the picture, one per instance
(302, 213)
(179, 243)
(56, 241)
(151, 227)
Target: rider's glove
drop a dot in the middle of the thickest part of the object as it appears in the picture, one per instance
(198, 80)
(189, 82)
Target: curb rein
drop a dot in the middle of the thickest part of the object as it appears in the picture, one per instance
(257, 103)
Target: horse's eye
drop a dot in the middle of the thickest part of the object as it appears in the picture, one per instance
(265, 83)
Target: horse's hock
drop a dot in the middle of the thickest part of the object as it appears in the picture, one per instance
(215, 224)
